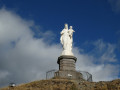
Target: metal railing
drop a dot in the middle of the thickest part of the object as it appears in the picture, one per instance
(50, 74)
(87, 76)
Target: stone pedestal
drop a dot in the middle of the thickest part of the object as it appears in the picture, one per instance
(66, 62)
(67, 68)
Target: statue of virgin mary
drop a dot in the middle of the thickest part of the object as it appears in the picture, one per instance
(66, 40)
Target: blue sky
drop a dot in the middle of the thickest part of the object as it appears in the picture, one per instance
(92, 19)
(93, 16)
(39, 22)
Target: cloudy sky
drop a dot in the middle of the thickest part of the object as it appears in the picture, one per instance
(30, 33)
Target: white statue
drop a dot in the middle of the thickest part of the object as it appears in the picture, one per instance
(66, 40)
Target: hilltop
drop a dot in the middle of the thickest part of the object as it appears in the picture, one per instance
(65, 84)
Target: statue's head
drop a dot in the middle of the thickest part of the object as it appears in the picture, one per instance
(66, 26)
(70, 27)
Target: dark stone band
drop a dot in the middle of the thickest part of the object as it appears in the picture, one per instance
(66, 57)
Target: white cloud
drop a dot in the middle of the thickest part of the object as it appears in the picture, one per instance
(105, 51)
(24, 58)
(98, 61)
(115, 4)
(20, 52)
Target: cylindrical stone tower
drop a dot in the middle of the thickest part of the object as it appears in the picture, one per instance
(67, 62)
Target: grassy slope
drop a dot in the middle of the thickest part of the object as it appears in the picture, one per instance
(53, 84)
(64, 84)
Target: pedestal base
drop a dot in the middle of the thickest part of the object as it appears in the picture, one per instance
(66, 62)
(69, 74)
(67, 67)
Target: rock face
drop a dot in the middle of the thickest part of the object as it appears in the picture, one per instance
(65, 84)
